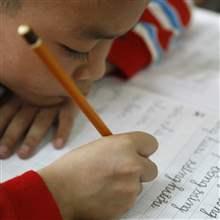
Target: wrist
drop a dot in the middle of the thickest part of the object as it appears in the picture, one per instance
(56, 187)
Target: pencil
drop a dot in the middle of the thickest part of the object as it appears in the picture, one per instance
(66, 81)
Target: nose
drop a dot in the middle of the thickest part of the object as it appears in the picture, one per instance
(91, 72)
(95, 68)
(82, 74)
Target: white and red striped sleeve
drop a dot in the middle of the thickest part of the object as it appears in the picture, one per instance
(162, 21)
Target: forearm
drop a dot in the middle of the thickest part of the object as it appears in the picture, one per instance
(27, 197)
(55, 187)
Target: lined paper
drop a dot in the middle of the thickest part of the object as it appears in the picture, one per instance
(179, 105)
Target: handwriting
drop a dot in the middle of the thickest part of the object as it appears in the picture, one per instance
(166, 193)
(214, 211)
(211, 174)
(190, 201)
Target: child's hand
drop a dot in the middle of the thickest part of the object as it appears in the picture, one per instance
(102, 180)
(25, 126)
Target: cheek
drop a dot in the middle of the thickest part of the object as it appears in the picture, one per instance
(24, 72)
(27, 74)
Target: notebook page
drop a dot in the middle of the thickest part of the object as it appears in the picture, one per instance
(188, 137)
(188, 157)
(190, 71)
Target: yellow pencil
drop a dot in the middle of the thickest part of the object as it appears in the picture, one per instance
(69, 85)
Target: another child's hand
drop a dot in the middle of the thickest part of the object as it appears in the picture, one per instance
(23, 126)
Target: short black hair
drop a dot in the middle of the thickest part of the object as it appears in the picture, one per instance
(8, 6)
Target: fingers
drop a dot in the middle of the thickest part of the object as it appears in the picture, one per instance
(16, 128)
(37, 132)
(144, 143)
(7, 112)
(150, 170)
(30, 123)
(65, 124)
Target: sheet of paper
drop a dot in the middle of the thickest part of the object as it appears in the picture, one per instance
(190, 71)
(188, 160)
(187, 157)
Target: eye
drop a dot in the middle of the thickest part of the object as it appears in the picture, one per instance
(72, 53)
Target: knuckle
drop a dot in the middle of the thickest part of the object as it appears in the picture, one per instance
(127, 190)
(31, 141)
(123, 142)
(8, 140)
(130, 139)
(137, 136)
(135, 169)
(130, 167)
(150, 139)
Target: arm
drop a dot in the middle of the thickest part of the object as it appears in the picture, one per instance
(27, 197)
(23, 123)
(162, 21)
(67, 190)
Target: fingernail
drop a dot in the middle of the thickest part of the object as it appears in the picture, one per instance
(3, 151)
(24, 150)
(58, 143)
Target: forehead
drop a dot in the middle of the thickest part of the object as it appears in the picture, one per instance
(110, 16)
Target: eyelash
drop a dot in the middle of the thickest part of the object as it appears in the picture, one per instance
(75, 54)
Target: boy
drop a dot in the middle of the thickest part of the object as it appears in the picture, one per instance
(84, 57)
(81, 34)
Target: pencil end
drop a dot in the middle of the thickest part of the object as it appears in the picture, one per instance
(23, 29)
(29, 35)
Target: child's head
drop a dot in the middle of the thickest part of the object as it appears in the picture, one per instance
(79, 32)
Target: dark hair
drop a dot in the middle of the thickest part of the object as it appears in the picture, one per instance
(9, 6)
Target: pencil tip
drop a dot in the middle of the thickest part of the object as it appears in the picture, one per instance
(23, 29)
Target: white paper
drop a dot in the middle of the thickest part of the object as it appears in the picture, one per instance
(190, 71)
(188, 132)
(187, 135)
